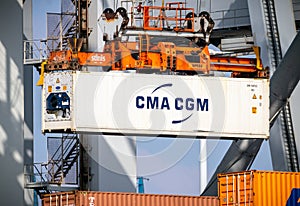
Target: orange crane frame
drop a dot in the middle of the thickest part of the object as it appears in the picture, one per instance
(163, 57)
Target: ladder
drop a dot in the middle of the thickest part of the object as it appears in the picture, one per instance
(285, 115)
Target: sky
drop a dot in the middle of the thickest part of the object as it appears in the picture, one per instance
(40, 9)
(180, 171)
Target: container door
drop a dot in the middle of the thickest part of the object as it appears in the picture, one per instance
(236, 189)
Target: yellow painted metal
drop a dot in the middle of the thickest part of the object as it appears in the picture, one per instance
(41, 79)
(259, 188)
(256, 50)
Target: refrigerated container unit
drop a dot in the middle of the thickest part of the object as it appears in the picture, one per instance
(155, 105)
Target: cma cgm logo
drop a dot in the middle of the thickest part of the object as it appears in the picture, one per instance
(165, 103)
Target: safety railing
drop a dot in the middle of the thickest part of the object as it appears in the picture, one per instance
(36, 174)
(42, 174)
(230, 18)
(60, 27)
(172, 16)
(35, 51)
(64, 157)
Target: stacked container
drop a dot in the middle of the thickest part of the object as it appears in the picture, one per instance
(83, 198)
(259, 188)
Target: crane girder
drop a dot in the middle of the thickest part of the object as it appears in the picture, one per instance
(285, 79)
(242, 153)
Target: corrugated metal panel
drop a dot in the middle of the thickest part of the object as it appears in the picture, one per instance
(81, 198)
(259, 188)
(227, 13)
(151, 104)
(230, 18)
(237, 44)
(296, 8)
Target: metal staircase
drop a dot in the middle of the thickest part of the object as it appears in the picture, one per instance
(285, 118)
(52, 176)
(62, 26)
(70, 32)
(70, 23)
(64, 158)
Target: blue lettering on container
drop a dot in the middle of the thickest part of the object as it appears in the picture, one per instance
(203, 106)
(163, 103)
(294, 198)
(138, 102)
(178, 103)
(152, 103)
(189, 104)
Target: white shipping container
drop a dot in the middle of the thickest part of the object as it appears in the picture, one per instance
(152, 104)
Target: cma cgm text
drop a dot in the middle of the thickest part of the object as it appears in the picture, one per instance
(190, 104)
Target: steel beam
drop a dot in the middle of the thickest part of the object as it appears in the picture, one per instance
(242, 153)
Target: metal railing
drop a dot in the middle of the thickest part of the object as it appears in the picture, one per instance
(231, 18)
(171, 16)
(39, 175)
(64, 157)
(35, 51)
(60, 27)
(36, 174)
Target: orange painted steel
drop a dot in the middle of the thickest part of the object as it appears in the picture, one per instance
(59, 56)
(259, 188)
(177, 19)
(94, 58)
(230, 64)
(80, 198)
(162, 57)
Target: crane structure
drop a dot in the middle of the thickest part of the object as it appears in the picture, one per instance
(168, 44)
(185, 58)
(150, 48)
(157, 57)
(242, 153)
(140, 184)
